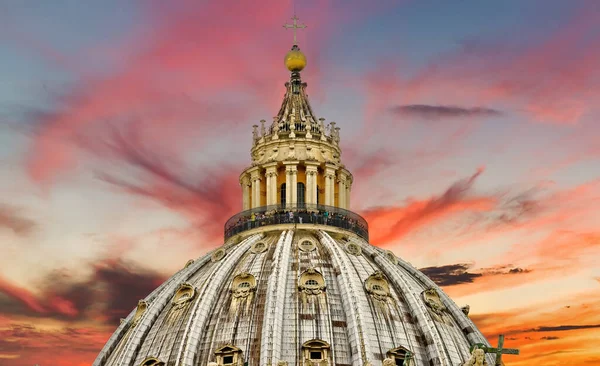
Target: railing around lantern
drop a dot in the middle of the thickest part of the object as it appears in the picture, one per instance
(297, 214)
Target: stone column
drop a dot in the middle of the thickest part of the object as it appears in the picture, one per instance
(290, 182)
(271, 176)
(294, 187)
(255, 178)
(341, 189)
(329, 185)
(245, 183)
(311, 183)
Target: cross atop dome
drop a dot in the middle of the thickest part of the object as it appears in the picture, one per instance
(295, 26)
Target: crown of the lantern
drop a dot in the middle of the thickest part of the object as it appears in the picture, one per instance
(296, 160)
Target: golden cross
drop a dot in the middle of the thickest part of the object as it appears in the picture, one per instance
(294, 27)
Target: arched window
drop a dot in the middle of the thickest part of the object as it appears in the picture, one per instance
(311, 283)
(377, 288)
(244, 284)
(300, 194)
(283, 194)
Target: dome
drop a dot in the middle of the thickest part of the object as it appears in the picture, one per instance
(301, 297)
(295, 59)
(296, 281)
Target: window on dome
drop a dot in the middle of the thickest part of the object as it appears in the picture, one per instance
(315, 350)
(377, 288)
(244, 284)
(229, 355)
(316, 355)
(311, 283)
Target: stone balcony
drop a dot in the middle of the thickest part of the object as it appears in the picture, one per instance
(301, 214)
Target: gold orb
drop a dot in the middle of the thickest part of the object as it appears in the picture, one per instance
(295, 60)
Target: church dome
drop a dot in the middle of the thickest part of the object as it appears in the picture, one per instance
(296, 281)
(315, 296)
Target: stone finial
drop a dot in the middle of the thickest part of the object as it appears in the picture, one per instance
(263, 130)
(254, 133)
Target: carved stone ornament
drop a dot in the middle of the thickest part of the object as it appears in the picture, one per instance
(259, 247)
(378, 287)
(434, 303)
(389, 362)
(477, 358)
(353, 249)
(465, 309)
(217, 255)
(142, 306)
(189, 263)
(184, 294)
(311, 282)
(243, 285)
(282, 363)
(307, 245)
(391, 257)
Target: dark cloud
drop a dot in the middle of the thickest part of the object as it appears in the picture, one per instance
(456, 274)
(435, 112)
(12, 218)
(565, 328)
(503, 270)
(108, 295)
(449, 275)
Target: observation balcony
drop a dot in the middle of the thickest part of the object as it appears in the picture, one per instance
(302, 214)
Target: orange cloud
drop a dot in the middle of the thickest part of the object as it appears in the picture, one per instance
(392, 223)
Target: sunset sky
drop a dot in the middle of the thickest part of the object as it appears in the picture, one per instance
(472, 129)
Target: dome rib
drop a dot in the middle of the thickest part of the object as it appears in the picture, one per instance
(348, 279)
(188, 351)
(274, 307)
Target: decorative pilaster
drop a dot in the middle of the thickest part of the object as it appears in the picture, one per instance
(255, 178)
(245, 183)
(271, 177)
(329, 185)
(311, 183)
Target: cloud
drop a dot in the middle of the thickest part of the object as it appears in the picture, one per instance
(111, 292)
(44, 343)
(551, 80)
(451, 274)
(206, 195)
(390, 223)
(12, 218)
(458, 274)
(436, 112)
(560, 328)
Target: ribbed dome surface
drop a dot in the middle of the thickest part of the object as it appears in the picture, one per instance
(301, 296)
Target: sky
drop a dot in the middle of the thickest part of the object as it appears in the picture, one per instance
(471, 129)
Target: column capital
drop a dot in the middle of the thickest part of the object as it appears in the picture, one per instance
(245, 180)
